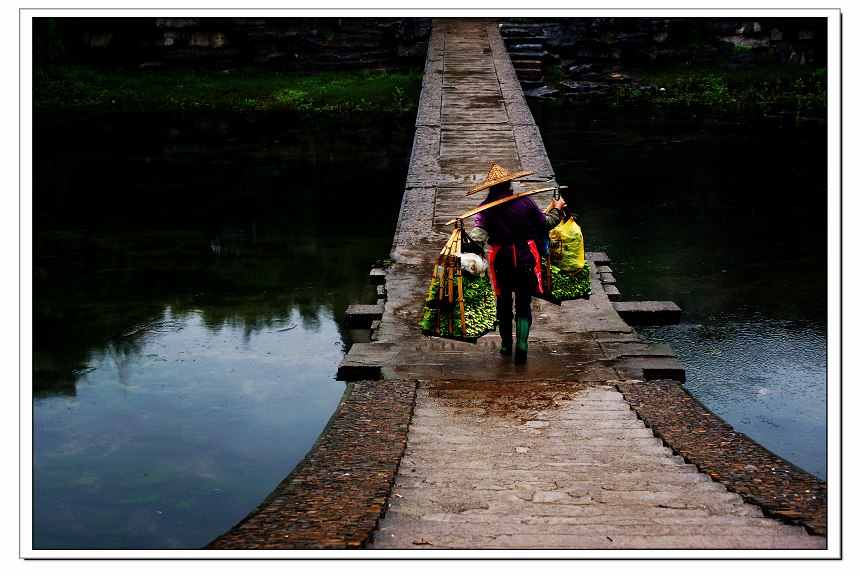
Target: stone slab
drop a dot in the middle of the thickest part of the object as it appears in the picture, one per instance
(612, 292)
(607, 277)
(499, 479)
(648, 313)
(362, 315)
(598, 258)
(377, 275)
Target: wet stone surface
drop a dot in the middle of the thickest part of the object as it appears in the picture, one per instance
(779, 488)
(335, 499)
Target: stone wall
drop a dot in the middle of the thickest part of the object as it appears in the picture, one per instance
(315, 43)
(278, 44)
(593, 53)
(653, 41)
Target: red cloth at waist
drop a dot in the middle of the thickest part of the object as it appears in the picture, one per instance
(494, 249)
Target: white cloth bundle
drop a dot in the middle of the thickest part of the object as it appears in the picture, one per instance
(473, 264)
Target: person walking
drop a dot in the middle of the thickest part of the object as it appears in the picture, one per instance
(512, 230)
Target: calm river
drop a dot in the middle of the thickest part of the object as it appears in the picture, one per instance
(727, 217)
(190, 279)
(190, 276)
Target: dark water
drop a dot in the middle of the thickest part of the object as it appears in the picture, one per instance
(727, 217)
(190, 278)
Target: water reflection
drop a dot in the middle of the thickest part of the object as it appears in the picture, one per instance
(166, 437)
(239, 220)
(727, 217)
(766, 375)
(232, 239)
(189, 278)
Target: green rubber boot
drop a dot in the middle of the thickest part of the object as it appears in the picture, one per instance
(522, 351)
(507, 347)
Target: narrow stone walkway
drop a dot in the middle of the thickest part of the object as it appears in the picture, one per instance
(541, 465)
(547, 455)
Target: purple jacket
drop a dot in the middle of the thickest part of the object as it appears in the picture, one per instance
(512, 222)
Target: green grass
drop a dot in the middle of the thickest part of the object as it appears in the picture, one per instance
(766, 87)
(763, 87)
(251, 91)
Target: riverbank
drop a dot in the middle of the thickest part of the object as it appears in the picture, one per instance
(251, 91)
(759, 89)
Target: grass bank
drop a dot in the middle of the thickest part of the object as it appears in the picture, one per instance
(329, 94)
(761, 88)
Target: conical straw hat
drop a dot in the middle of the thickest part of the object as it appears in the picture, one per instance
(497, 175)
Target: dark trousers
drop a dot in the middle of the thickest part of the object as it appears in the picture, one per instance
(516, 284)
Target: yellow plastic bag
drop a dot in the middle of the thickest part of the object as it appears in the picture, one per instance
(566, 246)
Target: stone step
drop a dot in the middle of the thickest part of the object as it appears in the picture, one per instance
(528, 68)
(432, 447)
(600, 461)
(433, 497)
(651, 368)
(531, 84)
(531, 76)
(544, 490)
(362, 315)
(561, 438)
(469, 435)
(606, 277)
(520, 31)
(528, 56)
(612, 293)
(524, 47)
(477, 421)
(524, 36)
(598, 258)
(610, 537)
(592, 395)
(378, 274)
(527, 64)
(477, 523)
(559, 411)
(681, 482)
(648, 313)
(556, 512)
(680, 474)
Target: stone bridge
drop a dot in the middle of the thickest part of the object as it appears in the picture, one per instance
(593, 444)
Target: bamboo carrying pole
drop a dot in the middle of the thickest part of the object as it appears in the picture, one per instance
(483, 207)
(446, 269)
(460, 283)
(452, 264)
(440, 272)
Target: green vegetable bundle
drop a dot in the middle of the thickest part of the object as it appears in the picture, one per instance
(564, 286)
(442, 313)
